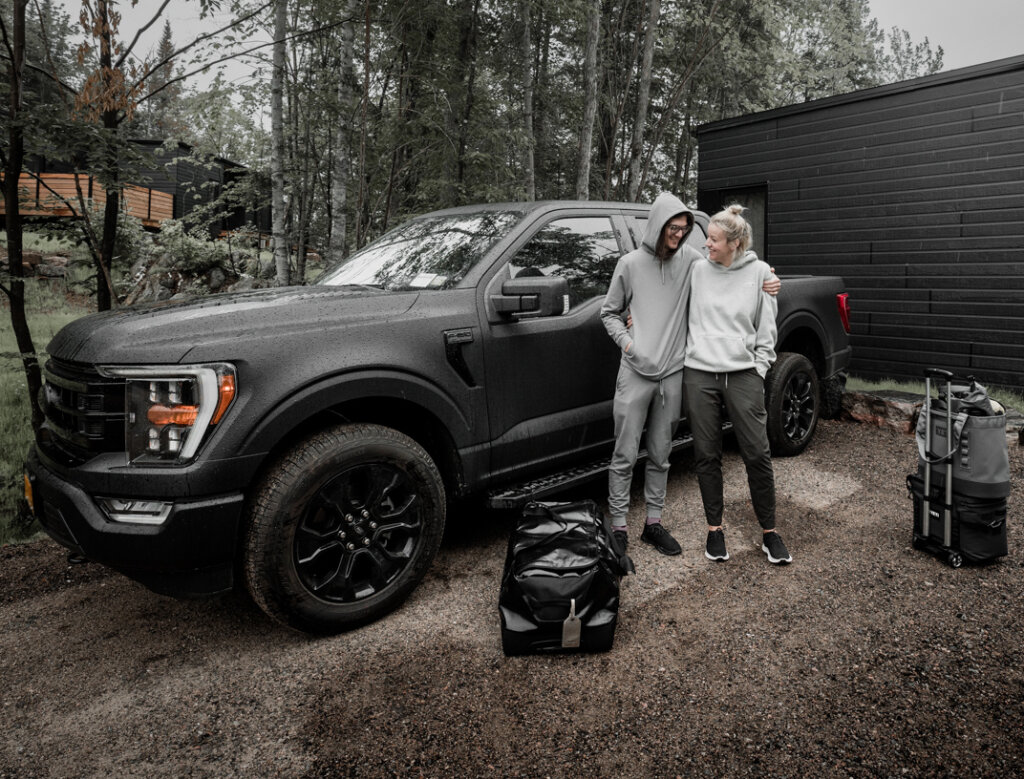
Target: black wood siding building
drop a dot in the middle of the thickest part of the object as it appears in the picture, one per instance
(173, 169)
(194, 183)
(914, 193)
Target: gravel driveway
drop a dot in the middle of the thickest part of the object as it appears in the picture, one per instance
(863, 658)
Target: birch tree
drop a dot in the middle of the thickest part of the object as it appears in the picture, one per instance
(277, 154)
(636, 148)
(593, 34)
(526, 51)
(343, 135)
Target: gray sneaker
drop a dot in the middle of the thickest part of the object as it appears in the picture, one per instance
(658, 537)
(715, 549)
(776, 550)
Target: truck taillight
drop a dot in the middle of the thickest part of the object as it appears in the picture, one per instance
(843, 301)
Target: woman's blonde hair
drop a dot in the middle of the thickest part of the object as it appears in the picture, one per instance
(735, 228)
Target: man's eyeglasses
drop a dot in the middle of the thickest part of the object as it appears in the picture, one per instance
(678, 229)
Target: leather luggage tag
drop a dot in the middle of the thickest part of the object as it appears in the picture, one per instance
(571, 628)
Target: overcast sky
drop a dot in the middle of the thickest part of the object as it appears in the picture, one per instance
(969, 31)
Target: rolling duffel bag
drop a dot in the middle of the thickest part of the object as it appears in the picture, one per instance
(560, 584)
(960, 490)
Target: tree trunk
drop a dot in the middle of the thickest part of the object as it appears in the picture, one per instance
(277, 183)
(15, 248)
(526, 51)
(467, 60)
(643, 99)
(590, 104)
(343, 137)
(542, 129)
(104, 261)
(362, 204)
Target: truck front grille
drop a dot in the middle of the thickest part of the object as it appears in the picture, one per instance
(84, 413)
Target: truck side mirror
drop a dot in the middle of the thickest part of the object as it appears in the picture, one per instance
(532, 296)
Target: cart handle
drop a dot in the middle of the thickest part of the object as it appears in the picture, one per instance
(938, 373)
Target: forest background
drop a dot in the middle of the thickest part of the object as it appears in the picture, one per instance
(353, 115)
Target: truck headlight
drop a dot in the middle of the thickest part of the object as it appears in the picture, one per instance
(170, 408)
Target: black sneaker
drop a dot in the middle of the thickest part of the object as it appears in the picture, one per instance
(716, 546)
(776, 550)
(658, 537)
(622, 537)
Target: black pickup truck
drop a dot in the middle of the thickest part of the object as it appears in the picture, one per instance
(306, 441)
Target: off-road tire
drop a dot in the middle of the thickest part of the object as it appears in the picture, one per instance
(793, 404)
(342, 528)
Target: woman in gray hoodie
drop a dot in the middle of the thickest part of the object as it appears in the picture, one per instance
(730, 345)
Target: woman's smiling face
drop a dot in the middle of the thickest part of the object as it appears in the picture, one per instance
(720, 250)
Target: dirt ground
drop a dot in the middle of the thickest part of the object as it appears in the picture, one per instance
(864, 658)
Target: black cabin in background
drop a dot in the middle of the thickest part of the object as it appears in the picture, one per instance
(914, 194)
(172, 169)
(194, 183)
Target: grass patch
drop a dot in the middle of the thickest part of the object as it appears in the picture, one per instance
(48, 310)
(1008, 398)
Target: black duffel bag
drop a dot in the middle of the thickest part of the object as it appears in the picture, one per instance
(560, 585)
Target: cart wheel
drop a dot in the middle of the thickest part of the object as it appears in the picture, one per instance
(917, 543)
(955, 560)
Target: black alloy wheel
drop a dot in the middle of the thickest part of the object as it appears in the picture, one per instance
(793, 404)
(358, 532)
(343, 527)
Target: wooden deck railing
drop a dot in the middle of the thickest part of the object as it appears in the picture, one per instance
(55, 194)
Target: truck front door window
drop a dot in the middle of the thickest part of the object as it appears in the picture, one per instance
(582, 250)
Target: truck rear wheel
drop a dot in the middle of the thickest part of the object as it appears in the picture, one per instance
(793, 404)
(343, 527)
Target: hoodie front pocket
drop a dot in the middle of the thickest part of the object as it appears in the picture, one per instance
(727, 352)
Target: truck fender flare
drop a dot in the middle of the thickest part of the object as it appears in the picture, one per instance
(333, 391)
(802, 320)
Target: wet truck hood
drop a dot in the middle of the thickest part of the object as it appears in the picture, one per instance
(167, 332)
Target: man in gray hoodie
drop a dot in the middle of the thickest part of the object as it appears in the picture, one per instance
(652, 283)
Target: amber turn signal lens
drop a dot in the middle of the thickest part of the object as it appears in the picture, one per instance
(184, 416)
(226, 393)
(28, 494)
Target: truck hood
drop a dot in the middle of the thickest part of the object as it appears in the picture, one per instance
(166, 333)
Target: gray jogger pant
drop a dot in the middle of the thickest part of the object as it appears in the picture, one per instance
(743, 395)
(639, 400)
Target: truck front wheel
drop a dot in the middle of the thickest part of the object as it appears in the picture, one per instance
(343, 527)
(793, 404)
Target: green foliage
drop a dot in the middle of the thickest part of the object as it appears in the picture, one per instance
(432, 110)
(190, 250)
(905, 59)
(48, 311)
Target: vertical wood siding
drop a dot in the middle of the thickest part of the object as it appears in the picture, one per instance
(914, 194)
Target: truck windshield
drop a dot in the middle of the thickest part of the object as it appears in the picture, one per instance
(428, 253)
